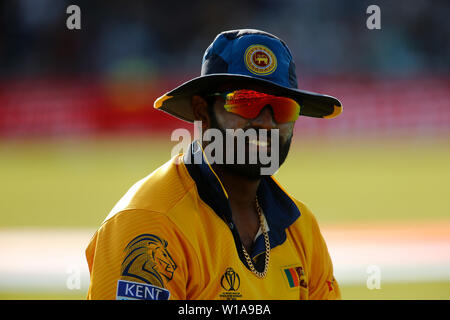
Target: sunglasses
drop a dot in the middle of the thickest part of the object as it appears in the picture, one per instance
(248, 104)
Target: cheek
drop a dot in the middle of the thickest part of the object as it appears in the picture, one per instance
(286, 130)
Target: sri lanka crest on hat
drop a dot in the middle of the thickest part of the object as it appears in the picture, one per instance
(260, 60)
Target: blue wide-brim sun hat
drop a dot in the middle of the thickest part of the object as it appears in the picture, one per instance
(247, 59)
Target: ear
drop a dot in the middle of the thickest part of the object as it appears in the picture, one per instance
(200, 109)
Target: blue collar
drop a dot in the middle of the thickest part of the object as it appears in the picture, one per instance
(279, 209)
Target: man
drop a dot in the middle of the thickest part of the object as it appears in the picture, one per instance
(199, 230)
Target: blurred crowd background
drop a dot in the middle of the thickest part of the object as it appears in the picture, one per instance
(157, 38)
(106, 76)
(78, 128)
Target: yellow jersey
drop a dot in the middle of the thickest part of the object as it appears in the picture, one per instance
(172, 236)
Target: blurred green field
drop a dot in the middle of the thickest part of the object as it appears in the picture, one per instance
(390, 291)
(75, 182)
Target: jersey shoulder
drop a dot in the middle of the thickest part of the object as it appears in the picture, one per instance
(306, 227)
(158, 192)
(307, 218)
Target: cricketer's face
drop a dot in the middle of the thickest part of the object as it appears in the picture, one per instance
(222, 120)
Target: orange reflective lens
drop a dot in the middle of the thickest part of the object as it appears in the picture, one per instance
(248, 104)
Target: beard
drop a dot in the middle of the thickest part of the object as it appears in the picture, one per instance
(248, 169)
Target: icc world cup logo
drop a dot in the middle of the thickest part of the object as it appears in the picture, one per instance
(230, 280)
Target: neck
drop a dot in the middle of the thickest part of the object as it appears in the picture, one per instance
(241, 194)
(241, 190)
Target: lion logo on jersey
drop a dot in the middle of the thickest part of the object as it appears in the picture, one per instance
(147, 259)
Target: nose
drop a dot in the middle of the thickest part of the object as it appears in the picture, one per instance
(265, 119)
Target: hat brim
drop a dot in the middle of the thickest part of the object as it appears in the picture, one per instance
(177, 102)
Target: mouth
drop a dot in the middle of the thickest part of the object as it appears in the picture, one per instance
(259, 146)
(259, 143)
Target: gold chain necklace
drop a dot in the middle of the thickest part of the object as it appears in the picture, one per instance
(266, 243)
